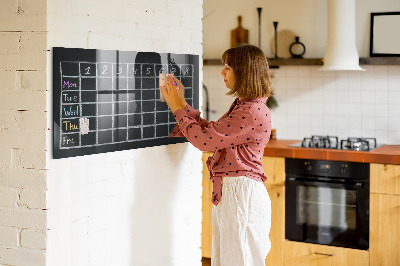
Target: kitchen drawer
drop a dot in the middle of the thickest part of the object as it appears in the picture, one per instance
(385, 178)
(274, 168)
(305, 254)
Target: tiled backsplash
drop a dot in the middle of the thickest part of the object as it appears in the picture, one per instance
(314, 102)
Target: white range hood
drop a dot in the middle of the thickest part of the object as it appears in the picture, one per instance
(341, 51)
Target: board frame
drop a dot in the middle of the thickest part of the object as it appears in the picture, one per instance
(61, 54)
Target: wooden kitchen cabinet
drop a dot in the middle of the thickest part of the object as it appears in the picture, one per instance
(305, 254)
(277, 233)
(385, 215)
(274, 168)
(206, 225)
(385, 178)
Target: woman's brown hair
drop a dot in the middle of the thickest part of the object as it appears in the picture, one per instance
(250, 66)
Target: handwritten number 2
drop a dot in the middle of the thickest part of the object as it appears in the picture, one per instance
(104, 72)
(87, 71)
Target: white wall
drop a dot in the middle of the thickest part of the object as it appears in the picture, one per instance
(23, 132)
(135, 207)
(304, 18)
(311, 102)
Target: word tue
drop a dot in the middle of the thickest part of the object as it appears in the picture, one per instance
(68, 98)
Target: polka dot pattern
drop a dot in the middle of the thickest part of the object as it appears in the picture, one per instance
(238, 139)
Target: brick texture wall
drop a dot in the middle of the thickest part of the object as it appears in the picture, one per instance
(135, 207)
(23, 128)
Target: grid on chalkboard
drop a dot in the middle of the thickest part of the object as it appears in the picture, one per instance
(121, 102)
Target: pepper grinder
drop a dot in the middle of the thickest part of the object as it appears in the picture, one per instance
(276, 39)
(259, 26)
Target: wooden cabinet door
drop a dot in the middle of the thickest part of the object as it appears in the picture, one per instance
(304, 254)
(206, 226)
(277, 233)
(385, 178)
(384, 236)
(274, 168)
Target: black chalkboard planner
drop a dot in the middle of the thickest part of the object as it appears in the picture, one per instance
(109, 100)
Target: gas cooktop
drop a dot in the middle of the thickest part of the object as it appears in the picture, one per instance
(332, 142)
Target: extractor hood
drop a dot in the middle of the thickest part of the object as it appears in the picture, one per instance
(341, 51)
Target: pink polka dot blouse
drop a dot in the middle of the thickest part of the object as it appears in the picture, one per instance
(238, 139)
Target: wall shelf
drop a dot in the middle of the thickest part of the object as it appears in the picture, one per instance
(274, 63)
(380, 61)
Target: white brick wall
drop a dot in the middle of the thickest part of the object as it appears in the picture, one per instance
(135, 207)
(23, 218)
(139, 207)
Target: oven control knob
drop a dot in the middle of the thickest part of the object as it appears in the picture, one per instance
(343, 168)
(308, 166)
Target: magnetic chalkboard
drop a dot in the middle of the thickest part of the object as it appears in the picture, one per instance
(109, 100)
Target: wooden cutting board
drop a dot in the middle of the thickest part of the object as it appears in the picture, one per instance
(239, 35)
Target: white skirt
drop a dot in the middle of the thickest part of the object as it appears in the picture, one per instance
(241, 223)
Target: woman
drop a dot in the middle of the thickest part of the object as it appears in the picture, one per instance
(242, 208)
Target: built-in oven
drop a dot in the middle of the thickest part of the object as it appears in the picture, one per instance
(327, 202)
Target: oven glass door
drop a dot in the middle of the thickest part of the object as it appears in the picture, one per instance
(326, 213)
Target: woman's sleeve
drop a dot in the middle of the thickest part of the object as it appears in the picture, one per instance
(235, 129)
(193, 113)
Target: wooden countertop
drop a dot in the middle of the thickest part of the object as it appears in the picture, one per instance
(389, 154)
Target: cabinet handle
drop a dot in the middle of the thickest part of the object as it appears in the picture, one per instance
(324, 254)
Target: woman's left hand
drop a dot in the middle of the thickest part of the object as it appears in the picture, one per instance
(171, 95)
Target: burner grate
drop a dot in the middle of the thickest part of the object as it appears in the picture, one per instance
(332, 142)
(327, 142)
(358, 144)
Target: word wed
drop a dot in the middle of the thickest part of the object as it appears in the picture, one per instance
(71, 110)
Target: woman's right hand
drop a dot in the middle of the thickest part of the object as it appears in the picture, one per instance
(181, 91)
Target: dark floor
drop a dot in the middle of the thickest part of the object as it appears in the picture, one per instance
(206, 261)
